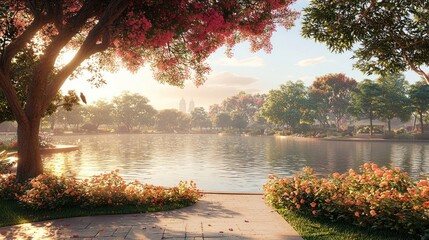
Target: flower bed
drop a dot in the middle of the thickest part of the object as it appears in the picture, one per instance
(376, 197)
(48, 191)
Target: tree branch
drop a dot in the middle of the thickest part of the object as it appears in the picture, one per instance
(415, 68)
(19, 43)
(55, 12)
(12, 98)
(89, 47)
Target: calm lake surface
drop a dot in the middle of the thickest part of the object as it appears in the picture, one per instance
(225, 163)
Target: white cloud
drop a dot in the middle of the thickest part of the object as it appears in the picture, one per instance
(246, 62)
(312, 61)
(230, 79)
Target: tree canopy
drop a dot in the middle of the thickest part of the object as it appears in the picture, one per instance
(386, 36)
(419, 99)
(332, 94)
(133, 109)
(365, 101)
(393, 101)
(287, 105)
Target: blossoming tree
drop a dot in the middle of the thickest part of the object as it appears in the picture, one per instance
(175, 37)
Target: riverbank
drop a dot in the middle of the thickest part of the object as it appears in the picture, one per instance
(372, 139)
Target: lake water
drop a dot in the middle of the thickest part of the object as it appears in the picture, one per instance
(225, 163)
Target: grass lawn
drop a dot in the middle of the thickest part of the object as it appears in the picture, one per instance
(311, 228)
(11, 213)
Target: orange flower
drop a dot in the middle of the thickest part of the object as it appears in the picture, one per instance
(302, 201)
(378, 172)
(298, 206)
(313, 204)
(373, 212)
(314, 212)
(357, 214)
(425, 192)
(388, 176)
(308, 190)
(416, 208)
(423, 183)
(366, 165)
(426, 204)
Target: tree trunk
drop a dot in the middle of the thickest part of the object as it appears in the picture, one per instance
(388, 125)
(29, 159)
(422, 128)
(337, 119)
(370, 125)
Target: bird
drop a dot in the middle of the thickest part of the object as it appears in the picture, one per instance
(83, 98)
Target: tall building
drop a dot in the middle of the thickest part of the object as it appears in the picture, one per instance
(182, 105)
(191, 106)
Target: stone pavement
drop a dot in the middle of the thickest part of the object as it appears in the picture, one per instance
(215, 216)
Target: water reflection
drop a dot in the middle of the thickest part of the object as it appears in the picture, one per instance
(225, 163)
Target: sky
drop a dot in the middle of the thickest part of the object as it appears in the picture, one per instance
(292, 58)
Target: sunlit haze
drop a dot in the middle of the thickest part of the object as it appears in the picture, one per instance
(292, 58)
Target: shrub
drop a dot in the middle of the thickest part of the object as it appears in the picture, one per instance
(50, 191)
(400, 131)
(105, 189)
(9, 188)
(376, 197)
(366, 130)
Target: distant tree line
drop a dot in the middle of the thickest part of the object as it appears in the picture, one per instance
(337, 98)
(332, 102)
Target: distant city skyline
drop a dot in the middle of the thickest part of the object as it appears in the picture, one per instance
(292, 58)
(182, 106)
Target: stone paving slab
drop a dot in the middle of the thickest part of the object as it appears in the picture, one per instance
(215, 216)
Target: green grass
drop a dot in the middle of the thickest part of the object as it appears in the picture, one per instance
(11, 213)
(312, 228)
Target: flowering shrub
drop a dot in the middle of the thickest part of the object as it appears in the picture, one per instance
(50, 191)
(376, 197)
(9, 188)
(105, 189)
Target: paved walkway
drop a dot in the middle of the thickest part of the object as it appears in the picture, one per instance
(215, 216)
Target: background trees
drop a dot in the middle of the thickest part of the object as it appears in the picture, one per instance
(200, 118)
(223, 120)
(101, 112)
(331, 94)
(393, 101)
(386, 36)
(132, 109)
(419, 99)
(364, 102)
(171, 120)
(287, 105)
(238, 111)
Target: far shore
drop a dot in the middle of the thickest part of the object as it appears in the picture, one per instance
(355, 138)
